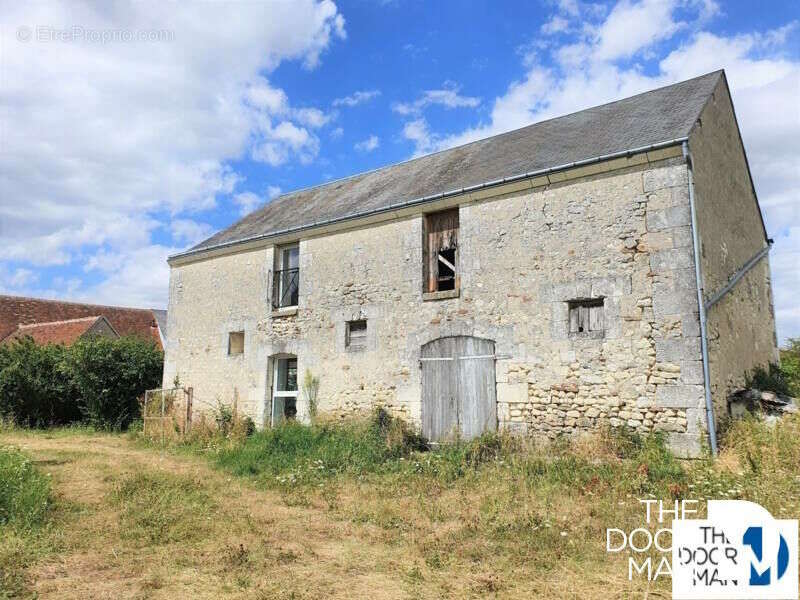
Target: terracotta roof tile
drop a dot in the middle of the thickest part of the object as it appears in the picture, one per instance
(18, 310)
(56, 332)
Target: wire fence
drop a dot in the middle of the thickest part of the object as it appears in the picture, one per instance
(167, 413)
(171, 414)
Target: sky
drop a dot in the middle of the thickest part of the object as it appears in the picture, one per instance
(131, 131)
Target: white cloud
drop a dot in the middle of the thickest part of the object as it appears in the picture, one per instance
(98, 137)
(357, 98)
(16, 280)
(419, 132)
(138, 281)
(599, 64)
(336, 133)
(247, 202)
(555, 25)
(633, 26)
(447, 97)
(273, 191)
(369, 144)
(189, 231)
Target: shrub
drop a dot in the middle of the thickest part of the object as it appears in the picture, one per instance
(110, 375)
(36, 388)
(293, 452)
(772, 379)
(790, 365)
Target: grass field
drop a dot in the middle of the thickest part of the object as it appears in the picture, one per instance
(354, 510)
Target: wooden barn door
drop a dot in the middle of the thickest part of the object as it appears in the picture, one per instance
(458, 388)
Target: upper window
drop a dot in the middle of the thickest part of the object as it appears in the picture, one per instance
(286, 282)
(356, 335)
(440, 251)
(235, 343)
(586, 318)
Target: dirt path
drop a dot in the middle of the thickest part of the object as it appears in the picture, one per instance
(250, 544)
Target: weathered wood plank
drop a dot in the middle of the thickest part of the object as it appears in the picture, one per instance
(458, 388)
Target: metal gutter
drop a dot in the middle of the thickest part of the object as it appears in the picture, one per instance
(701, 306)
(739, 274)
(432, 197)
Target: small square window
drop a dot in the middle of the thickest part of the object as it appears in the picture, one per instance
(235, 343)
(586, 318)
(356, 335)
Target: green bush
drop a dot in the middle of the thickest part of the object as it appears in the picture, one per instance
(294, 452)
(35, 386)
(772, 379)
(111, 375)
(24, 491)
(97, 380)
(790, 365)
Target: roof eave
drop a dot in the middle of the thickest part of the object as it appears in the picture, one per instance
(199, 253)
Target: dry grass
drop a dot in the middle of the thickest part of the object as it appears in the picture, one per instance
(136, 522)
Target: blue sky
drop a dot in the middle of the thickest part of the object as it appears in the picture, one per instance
(117, 150)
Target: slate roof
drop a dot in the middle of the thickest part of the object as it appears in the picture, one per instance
(18, 310)
(56, 332)
(651, 118)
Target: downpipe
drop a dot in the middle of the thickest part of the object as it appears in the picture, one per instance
(701, 305)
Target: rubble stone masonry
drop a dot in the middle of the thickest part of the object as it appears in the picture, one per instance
(623, 236)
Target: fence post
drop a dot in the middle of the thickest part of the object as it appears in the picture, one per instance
(144, 413)
(189, 397)
(162, 417)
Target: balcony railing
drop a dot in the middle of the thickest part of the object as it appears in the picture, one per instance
(285, 288)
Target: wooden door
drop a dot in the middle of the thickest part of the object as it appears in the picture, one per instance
(458, 388)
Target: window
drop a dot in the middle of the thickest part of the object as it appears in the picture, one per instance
(440, 252)
(586, 318)
(356, 335)
(286, 282)
(235, 343)
(284, 389)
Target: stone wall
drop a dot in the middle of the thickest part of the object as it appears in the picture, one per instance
(741, 327)
(623, 236)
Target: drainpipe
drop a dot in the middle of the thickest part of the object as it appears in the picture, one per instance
(712, 427)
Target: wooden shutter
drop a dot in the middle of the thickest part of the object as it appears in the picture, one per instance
(440, 233)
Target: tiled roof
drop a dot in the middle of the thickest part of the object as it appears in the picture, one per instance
(657, 117)
(56, 332)
(18, 310)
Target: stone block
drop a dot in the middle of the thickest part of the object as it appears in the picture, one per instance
(685, 445)
(679, 396)
(690, 324)
(512, 393)
(656, 179)
(667, 260)
(668, 218)
(692, 372)
(672, 303)
(678, 349)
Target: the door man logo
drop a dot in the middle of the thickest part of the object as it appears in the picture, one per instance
(754, 537)
(739, 551)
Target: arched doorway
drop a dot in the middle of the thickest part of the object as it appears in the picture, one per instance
(458, 388)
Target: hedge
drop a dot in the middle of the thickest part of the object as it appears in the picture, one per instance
(96, 381)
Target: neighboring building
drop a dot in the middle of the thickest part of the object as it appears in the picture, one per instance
(57, 320)
(542, 280)
(66, 332)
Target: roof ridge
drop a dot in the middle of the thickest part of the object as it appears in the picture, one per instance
(75, 303)
(495, 136)
(62, 322)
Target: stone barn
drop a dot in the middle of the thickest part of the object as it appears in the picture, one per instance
(608, 266)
